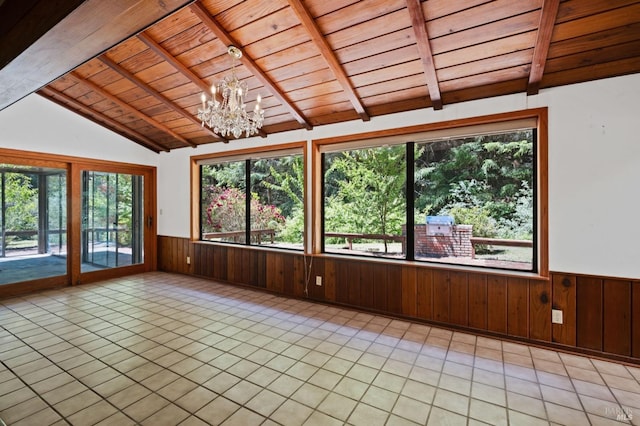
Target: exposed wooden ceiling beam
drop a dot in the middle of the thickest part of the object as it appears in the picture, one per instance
(157, 95)
(541, 49)
(126, 107)
(92, 27)
(78, 107)
(179, 66)
(201, 12)
(424, 48)
(329, 56)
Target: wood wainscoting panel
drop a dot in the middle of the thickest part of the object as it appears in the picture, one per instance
(564, 299)
(540, 310)
(441, 291)
(478, 301)
(518, 307)
(394, 289)
(459, 298)
(424, 296)
(617, 316)
(589, 303)
(497, 304)
(410, 294)
(635, 319)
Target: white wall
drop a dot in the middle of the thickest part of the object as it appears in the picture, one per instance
(594, 163)
(37, 124)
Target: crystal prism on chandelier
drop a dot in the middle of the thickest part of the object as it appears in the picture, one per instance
(225, 111)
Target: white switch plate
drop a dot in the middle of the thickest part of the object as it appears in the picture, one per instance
(556, 316)
(188, 260)
(318, 280)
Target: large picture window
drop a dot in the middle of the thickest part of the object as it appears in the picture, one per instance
(460, 197)
(364, 202)
(474, 200)
(255, 200)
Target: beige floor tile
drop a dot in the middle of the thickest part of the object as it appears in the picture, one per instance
(19, 395)
(87, 368)
(168, 416)
(113, 386)
(93, 414)
(439, 416)
(310, 395)
(99, 377)
(411, 409)
(517, 418)
(489, 394)
(366, 415)
(221, 382)
(76, 403)
(321, 419)
(526, 404)
(244, 417)
(265, 402)
(63, 392)
(177, 389)
(203, 373)
(128, 396)
(118, 419)
(160, 379)
(291, 412)
(564, 415)
(285, 385)
(488, 413)
(41, 418)
(379, 397)
(560, 397)
(195, 399)
(193, 421)
(22, 409)
(145, 407)
(217, 411)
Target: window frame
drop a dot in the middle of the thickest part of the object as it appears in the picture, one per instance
(271, 151)
(494, 123)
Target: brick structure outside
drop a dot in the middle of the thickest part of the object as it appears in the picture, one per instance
(456, 245)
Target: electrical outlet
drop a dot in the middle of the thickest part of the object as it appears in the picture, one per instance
(318, 280)
(556, 316)
(188, 260)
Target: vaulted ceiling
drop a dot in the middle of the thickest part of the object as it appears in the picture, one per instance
(316, 62)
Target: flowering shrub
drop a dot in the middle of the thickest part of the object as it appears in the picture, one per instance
(226, 211)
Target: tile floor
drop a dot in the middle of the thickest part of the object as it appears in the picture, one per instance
(163, 349)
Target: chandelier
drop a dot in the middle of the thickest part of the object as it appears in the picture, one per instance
(225, 111)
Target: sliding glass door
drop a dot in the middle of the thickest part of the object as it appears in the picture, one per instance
(112, 220)
(33, 222)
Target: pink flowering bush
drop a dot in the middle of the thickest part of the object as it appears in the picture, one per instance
(226, 212)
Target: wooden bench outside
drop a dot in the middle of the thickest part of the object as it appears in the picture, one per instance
(236, 235)
(498, 242)
(353, 236)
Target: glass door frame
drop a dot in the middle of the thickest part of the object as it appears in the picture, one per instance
(74, 167)
(149, 223)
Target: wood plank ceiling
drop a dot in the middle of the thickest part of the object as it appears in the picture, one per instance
(316, 62)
